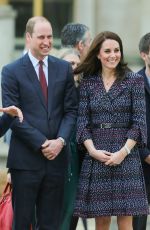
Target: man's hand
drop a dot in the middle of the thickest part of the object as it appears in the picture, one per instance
(51, 148)
(13, 111)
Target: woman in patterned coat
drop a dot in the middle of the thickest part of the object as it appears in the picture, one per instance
(111, 126)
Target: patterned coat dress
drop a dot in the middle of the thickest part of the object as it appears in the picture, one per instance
(106, 190)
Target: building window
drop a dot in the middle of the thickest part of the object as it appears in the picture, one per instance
(59, 12)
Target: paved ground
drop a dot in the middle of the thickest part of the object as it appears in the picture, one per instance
(91, 225)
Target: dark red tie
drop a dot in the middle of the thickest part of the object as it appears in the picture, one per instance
(43, 80)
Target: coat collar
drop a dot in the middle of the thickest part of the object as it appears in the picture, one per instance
(116, 89)
(106, 99)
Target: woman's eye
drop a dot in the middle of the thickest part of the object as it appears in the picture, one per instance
(107, 51)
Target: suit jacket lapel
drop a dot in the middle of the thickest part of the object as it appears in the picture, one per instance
(52, 76)
(31, 74)
(146, 84)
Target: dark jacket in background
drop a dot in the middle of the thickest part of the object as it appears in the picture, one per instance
(146, 151)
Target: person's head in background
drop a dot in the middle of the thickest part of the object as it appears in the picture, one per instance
(76, 35)
(144, 48)
(71, 55)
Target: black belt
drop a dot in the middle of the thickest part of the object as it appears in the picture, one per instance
(110, 125)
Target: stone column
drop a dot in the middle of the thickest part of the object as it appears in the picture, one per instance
(7, 34)
(84, 12)
(7, 44)
(37, 7)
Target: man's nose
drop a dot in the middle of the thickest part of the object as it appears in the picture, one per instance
(46, 41)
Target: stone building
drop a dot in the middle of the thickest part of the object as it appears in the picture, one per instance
(128, 18)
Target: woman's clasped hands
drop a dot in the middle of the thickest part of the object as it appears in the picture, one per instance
(110, 159)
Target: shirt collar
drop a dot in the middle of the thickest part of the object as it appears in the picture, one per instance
(35, 61)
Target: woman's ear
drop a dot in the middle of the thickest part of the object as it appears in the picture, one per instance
(98, 56)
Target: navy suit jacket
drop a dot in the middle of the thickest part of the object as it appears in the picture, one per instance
(5, 123)
(146, 151)
(21, 87)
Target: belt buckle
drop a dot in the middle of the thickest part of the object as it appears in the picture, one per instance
(107, 125)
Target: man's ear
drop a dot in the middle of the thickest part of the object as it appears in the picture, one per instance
(28, 36)
(80, 46)
(143, 55)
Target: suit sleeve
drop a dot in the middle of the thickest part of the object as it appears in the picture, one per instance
(11, 96)
(70, 102)
(5, 123)
(138, 130)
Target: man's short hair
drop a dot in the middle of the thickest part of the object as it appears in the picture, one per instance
(144, 44)
(72, 33)
(32, 21)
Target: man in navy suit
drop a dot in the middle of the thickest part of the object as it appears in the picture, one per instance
(38, 153)
(139, 223)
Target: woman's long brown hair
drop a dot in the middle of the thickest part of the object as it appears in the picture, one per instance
(91, 65)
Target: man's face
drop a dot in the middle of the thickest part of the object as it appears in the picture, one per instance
(40, 42)
(85, 44)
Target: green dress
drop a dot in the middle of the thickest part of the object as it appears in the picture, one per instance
(70, 185)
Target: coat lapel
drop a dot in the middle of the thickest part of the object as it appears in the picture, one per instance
(101, 94)
(116, 90)
(31, 74)
(107, 98)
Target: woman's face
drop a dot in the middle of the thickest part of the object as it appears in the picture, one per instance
(109, 54)
(73, 59)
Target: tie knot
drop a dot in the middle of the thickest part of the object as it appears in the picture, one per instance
(41, 63)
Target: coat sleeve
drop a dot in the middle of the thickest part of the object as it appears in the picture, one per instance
(83, 120)
(70, 107)
(138, 130)
(5, 123)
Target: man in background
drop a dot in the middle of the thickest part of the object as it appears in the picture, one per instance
(76, 35)
(139, 222)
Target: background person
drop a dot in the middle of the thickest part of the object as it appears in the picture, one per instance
(111, 125)
(38, 153)
(78, 36)
(68, 220)
(140, 222)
